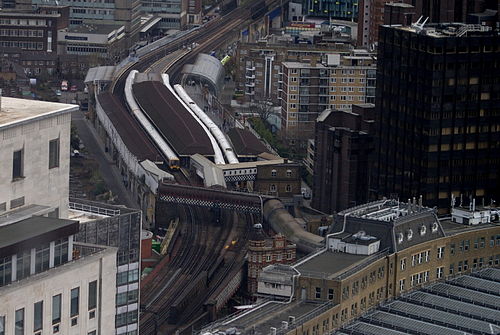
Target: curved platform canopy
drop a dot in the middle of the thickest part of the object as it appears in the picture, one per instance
(205, 70)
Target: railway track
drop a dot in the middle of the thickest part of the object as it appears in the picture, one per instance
(202, 245)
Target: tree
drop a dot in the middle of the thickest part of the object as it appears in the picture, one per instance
(264, 108)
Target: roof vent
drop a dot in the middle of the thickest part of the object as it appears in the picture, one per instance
(409, 234)
(423, 230)
(400, 238)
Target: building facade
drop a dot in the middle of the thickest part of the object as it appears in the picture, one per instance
(280, 180)
(29, 31)
(260, 65)
(342, 158)
(264, 251)
(344, 10)
(49, 284)
(437, 98)
(310, 88)
(119, 227)
(34, 166)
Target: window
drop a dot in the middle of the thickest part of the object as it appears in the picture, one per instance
(75, 301)
(17, 165)
(92, 333)
(272, 188)
(273, 173)
(2, 325)
(56, 309)
(466, 265)
(440, 252)
(452, 248)
(439, 272)
(318, 292)
(42, 258)
(61, 251)
(460, 264)
(452, 268)
(482, 242)
(38, 316)
(54, 153)
(288, 173)
(403, 264)
(92, 295)
(5, 270)
(19, 322)
(289, 188)
(330, 294)
(401, 284)
(466, 245)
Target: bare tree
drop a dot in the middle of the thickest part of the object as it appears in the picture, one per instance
(263, 108)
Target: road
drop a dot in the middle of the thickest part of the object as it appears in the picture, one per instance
(107, 167)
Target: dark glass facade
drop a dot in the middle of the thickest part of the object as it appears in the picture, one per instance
(438, 115)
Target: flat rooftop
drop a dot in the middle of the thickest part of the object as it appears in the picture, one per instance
(260, 319)
(452, 228)
(94, 28)
(468, 304)
(16, 111)
(33, 231)
(328, 264)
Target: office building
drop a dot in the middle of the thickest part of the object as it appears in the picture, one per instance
(49, 283)
(343, 10)
(34, 154)
(375, 253)
(338, 82)
(437, 106)
(342, 158)
(373, 13)
(117, 226)
(126, 13)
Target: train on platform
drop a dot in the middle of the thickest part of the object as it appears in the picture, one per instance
(195, 289)
(171, 157)
(224, 144)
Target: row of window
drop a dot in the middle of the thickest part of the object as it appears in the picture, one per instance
(25, 45)
(56, 312)
(22, 32)
(273, 188)
(269, 258)
(25, 22)
(23, 261)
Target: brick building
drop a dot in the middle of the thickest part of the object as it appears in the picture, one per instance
(264, 251)
(280, 180)
(309, 88)
(377, 252)
(342, 158)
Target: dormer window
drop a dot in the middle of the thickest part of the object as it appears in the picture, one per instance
(423, 230)
(409, 234)
(434, 227)
(273, 173)
(400, 238)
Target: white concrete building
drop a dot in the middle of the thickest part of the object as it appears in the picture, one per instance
(34, 154)
(51, 285)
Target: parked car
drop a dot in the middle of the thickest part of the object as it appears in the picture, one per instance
(64, 85)
(58, 93)
(73, 88)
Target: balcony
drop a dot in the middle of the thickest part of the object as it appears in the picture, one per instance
(249, 76)
(250, 93)
(250, 84)
(250, 68)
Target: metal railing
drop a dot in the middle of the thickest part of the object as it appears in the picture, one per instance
(93, 209)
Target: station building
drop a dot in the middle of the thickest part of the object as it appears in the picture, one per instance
(374, 253)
